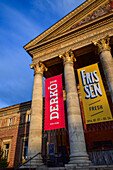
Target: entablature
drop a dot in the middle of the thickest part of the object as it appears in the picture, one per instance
(75, 39)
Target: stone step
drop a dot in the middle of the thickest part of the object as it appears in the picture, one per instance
(35, 161)
(102, 167)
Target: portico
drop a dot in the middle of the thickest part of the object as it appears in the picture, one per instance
(62, 49)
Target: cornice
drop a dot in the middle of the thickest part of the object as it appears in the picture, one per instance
(14, 108)
(13, 126)
(72, 31)
(61, 22)
(13, 113)
(6, 138)
(76, 43)
(77, 18)
(104, 8)
(73, 38)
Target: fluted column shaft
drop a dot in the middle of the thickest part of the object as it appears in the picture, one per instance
(76, 135)
(106, 60)
(35, 134)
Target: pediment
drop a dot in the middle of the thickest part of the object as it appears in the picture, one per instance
(88, 11)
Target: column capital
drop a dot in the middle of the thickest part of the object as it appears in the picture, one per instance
(102, 44)
(68, 57)
(38, 67)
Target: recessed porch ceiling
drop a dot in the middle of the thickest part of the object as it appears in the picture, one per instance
(85, 56)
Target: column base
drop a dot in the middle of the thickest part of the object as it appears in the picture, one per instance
(35, 162)
(79, 159)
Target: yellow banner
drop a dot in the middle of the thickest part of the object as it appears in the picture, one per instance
(95, 103)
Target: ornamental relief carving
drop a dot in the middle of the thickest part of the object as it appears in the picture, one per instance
(51, 53)
(102, 44)
(90, 35)
(103, 9)
(38, 67)
(68, 57)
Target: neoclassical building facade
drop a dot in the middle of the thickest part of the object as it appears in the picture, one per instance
(82, 38)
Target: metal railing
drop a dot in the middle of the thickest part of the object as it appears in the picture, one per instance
(29, 160)
(101, 157)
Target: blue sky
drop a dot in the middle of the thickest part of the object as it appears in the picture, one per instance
(20, 22)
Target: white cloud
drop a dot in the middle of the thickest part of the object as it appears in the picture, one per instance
(60, 7)
(17, 24)
(18, 28)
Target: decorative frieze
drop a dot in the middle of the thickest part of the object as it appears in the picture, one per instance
(74, 41)
(103, 9)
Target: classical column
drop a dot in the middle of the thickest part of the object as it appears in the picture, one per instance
(106, 60)
(35, 133)
(78, 154)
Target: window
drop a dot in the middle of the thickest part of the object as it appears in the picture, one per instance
(25, 148)
(6, 146)
(6, 150)
(28, 118)
(10, 121)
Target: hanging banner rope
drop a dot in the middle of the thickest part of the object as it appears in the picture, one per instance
(95, 103)
(54, 105)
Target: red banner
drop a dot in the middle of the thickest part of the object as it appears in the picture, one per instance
(54, 105)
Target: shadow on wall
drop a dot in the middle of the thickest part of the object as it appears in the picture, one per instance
(22, 134)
